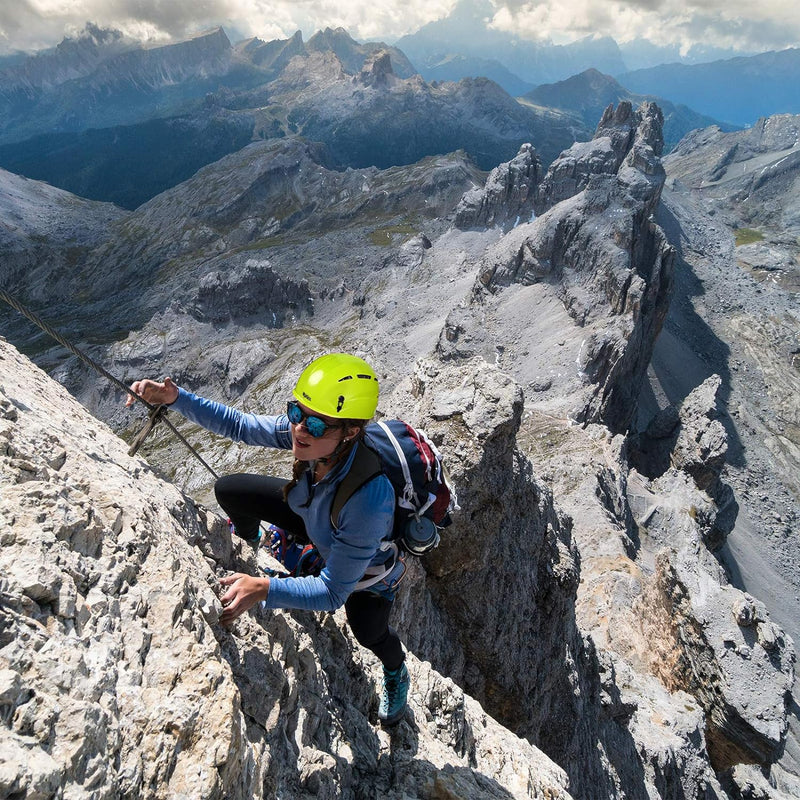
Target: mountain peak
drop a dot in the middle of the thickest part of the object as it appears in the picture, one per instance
(329, 38)
(378, 71)
(92, 34)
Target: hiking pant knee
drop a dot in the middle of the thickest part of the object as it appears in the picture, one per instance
(251, 499)
(368, 617)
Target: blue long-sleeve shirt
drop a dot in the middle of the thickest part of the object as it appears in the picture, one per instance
(365, 521)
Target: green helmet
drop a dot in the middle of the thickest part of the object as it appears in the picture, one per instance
(339, 385)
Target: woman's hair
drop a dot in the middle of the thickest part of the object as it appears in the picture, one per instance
(342, 450)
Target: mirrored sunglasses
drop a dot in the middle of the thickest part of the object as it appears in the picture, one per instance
(314, 425)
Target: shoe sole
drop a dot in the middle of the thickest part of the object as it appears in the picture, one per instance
(395, 718)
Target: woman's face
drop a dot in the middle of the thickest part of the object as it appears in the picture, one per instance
(307, 448)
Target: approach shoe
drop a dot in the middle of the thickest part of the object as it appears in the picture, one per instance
(394, 697)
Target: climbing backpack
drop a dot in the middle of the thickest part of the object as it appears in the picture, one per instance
(300, 558)
(425, 496)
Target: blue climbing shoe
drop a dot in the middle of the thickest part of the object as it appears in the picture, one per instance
(394, 696)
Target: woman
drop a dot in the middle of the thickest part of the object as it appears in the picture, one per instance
(334, 398)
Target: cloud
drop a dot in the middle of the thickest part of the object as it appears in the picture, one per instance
(737, 24)
(33, 24)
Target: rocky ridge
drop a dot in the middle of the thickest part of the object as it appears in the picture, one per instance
(734, 313)
(641, 680)
(627, 270)
(626, 554)
(117, 681)
(198, 100)
(506, 197)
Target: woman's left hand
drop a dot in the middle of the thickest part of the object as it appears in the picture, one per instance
(245, 591)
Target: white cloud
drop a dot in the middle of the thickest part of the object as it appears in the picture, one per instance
(742, 24)
(33, 24)
(737, 24)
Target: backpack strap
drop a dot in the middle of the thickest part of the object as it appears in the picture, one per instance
(366, 465)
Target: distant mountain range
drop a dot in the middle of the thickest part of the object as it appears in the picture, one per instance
(100, 79)
(446, 48)
(464, 34)
(109, 119)
(737, 90)
(189, 104)
(589, 93)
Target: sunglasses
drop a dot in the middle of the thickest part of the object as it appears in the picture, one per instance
(314, 425)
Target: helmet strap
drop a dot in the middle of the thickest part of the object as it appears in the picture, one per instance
(337, 454)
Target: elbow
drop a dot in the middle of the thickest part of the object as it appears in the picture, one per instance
(334, 602)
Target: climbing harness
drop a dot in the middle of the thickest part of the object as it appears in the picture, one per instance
(157, 412)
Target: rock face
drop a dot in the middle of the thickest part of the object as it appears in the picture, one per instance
(620, 130)
(722, 638)
(507, 196)
(695, 442)
(44, 232)
(103, 63)
(117, 681)
(576, 595)
(254, 290)
(508, 536)
(608, 263)
(702, 442)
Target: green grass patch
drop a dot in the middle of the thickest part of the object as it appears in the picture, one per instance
(747, 236)
(266, 244)
(383, 237)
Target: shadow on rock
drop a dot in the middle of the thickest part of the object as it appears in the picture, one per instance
(688, 351)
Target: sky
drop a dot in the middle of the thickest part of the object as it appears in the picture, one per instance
(745, 25)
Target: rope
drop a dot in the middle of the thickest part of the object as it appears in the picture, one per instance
(156, 411)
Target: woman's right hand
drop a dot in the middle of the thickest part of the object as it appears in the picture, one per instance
(154, 392)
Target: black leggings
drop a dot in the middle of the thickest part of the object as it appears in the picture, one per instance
(250, 499)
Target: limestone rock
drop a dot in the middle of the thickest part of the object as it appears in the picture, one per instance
(702, 442)
(664, 619)
(508, 195)
(620, 133)
(607, 263)
(723, 648)
(117, 681)
(480, 602)
(737, 680)
(253, 291)
(377, 71)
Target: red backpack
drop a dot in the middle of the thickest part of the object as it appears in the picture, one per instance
(425, 495)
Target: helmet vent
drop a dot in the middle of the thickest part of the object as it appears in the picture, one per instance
(340, 403)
